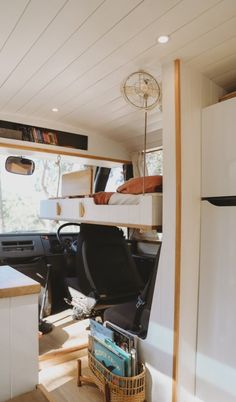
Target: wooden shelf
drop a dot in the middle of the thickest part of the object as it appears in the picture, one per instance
(53, 149)
(42, 135)
(13, 136)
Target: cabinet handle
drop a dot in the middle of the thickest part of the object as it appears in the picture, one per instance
(58, 209)
(81, 210)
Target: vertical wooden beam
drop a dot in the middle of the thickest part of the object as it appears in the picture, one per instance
(177, 230)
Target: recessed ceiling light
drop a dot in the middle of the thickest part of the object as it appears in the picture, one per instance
(54, 109)
(163, 39)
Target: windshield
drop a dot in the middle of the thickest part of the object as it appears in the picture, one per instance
(20, 195)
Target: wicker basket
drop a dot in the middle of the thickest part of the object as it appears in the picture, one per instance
(121, 389)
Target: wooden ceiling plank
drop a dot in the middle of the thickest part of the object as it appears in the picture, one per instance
(148, 12)
(185, 11)
(215, 38)
(11, 12)
(70, 18)
(116, 62)
(110, 119)
(106, 16)
(221, 66)
(227, 79)
(212, 55)
(187, 41)
(35, 19)
(131, 119)
(97, 105)
(92, 90)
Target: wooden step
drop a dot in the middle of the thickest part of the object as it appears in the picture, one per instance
(40, 394)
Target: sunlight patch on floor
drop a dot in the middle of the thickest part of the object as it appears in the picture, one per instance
(59, 373)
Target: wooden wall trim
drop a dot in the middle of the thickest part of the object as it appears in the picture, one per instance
(177, 230)
(57, 151)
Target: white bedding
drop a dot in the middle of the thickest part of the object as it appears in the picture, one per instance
(124, 199)
(127, 199)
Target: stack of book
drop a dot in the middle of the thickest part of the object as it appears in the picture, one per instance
(39, 135)
(114, 347)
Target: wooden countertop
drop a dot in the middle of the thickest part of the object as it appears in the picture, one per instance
(14, 283)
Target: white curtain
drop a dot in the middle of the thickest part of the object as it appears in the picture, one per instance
(138, 164)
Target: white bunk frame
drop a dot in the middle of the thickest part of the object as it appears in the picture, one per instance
(146, 215)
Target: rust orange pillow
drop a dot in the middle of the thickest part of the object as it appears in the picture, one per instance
(152, 184)
(102, 197)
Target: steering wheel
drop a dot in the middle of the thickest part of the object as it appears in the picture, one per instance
(68, 246)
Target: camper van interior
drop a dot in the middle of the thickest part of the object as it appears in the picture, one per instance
(117, 200)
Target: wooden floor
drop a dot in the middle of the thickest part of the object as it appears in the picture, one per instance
(34, 396)
(58, 374)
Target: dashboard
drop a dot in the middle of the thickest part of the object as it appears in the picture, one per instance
(34, 253)
(32, 245)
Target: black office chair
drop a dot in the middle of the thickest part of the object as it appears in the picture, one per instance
(105, 272)
(134, 315)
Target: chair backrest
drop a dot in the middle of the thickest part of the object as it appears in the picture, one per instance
(104, 263)
(143, 313)
(134, 315)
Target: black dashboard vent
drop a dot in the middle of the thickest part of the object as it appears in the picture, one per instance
(21, 245)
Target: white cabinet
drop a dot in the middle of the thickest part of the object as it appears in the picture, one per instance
(216, 350)
(219, 149)
(18, 333)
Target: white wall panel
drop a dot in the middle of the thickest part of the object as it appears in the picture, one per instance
(158, 347)
(5, 350)
(24, 344)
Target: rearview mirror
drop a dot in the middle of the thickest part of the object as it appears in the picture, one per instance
(19, 165)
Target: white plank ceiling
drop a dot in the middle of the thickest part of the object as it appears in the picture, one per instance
(74, 54)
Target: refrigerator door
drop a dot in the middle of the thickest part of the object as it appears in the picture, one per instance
(219, 149)
(216, 344)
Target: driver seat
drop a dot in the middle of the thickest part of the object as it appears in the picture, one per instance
(105, 270)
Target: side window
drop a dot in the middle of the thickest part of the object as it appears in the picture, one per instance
(154, 161)
(116, 178)
(20, 195)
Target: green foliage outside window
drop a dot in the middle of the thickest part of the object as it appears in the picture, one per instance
(20, 195)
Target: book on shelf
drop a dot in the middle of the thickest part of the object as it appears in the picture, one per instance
(49, 137)
(122, 338)
(39, 135)
(52, 138)
(45, 137)
(127, 341)
(35, 136)
(110, 359)
(123, 354)
(115, 348)
(99, 331)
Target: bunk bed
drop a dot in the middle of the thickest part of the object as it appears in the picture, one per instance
(146, 214)
(135, 210)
